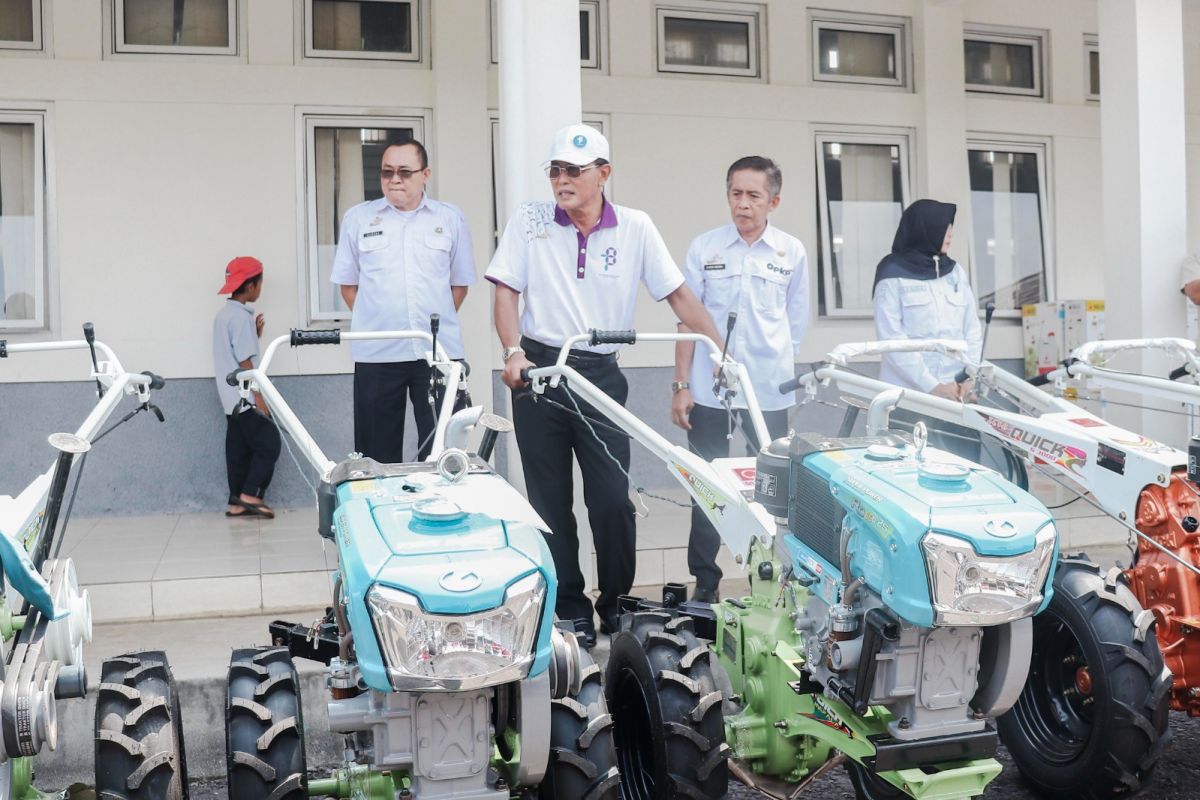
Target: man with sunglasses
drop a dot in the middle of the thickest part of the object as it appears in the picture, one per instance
(578, 264)
(400, 259)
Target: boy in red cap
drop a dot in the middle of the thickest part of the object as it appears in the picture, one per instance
(251, 438)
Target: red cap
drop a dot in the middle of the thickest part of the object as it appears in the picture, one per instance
(238, 271)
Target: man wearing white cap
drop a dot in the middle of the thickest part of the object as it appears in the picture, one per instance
(578, 263)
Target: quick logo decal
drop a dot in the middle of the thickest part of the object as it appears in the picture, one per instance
(707, 495)
(1047, 449)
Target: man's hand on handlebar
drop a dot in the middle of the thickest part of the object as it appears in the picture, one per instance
(949, 391)
(681, 406)
(512, 371)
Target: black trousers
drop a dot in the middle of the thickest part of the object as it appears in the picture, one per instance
(380, 391)
(547, 436)
(961, 441)
(707, 439)
(251, 449)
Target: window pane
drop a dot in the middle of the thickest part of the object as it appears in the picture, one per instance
(347, 165)
(16, 20)
(585, 41)
(858, 53)
(706, 43)
(1006, 228)
(863, 198)
(182, 23)
(1093, 72)
(18, 223)
(362, 26)
(999, 64)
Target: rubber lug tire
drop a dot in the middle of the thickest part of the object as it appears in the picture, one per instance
(869, 786)
(583, 758)
(138, 730)
(1130, 691)
(264, 727)
(666, 703)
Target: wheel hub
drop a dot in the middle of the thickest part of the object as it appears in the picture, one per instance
(1083, 681)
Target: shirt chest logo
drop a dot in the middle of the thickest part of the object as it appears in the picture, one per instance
(773, 267)
(610, 258)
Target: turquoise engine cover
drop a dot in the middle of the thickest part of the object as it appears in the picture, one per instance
(382, 540)
(890, 504)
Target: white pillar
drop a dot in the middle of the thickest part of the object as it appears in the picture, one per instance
(540, 91)
(1144, 183)
(941, 145)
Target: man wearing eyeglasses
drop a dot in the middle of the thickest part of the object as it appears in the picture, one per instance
(400, 259)
(578, 264)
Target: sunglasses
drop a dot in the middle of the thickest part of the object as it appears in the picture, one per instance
(402, 174)
(572, 170)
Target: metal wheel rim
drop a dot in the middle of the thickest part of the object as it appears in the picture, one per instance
(632, 736)
(1057, 720)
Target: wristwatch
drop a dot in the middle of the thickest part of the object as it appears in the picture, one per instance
(509, 352)
(679, 386)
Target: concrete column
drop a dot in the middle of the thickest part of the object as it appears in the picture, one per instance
(461, 152)
(540, 91)
(941, 143)
(1144, 182)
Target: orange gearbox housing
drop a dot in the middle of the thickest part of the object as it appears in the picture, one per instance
(1167, 588)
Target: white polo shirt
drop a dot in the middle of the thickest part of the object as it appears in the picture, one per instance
(766, 283)
(941, 308)
(404, 263)
(572, 282)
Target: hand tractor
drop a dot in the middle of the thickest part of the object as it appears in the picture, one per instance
(448, 676)
(888, 620)
(1092, 719)
(45, 623)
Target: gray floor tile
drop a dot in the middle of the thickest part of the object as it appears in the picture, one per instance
(220, 566)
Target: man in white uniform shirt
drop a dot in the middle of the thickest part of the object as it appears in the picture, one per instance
(578, 264)
(750, 267)
(399, 260)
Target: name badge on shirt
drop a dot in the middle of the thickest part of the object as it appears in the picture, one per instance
(713, 266)
(369, 234)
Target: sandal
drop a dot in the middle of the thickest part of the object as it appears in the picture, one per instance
(251, 510)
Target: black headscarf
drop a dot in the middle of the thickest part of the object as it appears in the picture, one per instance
(918, 239)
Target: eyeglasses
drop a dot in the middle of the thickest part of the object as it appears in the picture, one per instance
(402, 174)
(572, 170)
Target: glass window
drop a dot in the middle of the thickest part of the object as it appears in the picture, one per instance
(591, 33)
(862, 187)
(707, 43)
(1008, 199)
(22, 203)
(376, 29)
(1007, 64)
(156, 26)
(342, 170)
(1091, 52)
(860, 48)
(21, 24)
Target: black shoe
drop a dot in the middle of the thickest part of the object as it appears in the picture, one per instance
(704, 594)
(610, 625)
(588, 629)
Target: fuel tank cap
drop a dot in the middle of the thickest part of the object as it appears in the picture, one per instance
(884, 452)
(438, 510)
(943, 472)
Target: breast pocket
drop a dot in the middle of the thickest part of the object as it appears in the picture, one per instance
(955, 321)
(371, 246)
(718, 291)
(918, 311)
(769, 290)
(435, 253)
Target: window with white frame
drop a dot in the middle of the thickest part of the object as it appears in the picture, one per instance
(859, 48)
(22, 221)
(341, 169)
(204, 27)
(862, 188)
(368, 29)
(1009, 226)
(20, 24)
(1091, 67)
(720, 41)
(1004, 60)
(592, 30)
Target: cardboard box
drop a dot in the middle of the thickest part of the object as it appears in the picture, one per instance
(1083, 321)
(1052, 330)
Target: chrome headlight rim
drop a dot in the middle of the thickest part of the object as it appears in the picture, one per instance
(524, 599)
(1039, 559)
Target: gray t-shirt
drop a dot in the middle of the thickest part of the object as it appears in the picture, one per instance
(234, 340)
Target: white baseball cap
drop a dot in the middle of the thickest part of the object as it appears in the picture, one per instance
(578, 144)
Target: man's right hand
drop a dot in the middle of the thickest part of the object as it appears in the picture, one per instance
(681, 406)
(949, 391)
(512, 371)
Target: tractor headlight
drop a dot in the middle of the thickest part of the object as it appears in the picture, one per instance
(457, 652)
(970, 589)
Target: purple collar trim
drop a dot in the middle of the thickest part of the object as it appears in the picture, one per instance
(608, 216)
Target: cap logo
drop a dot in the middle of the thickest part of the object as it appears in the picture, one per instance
(580, 140)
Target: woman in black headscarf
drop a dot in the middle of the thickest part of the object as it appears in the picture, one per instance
(922, 293)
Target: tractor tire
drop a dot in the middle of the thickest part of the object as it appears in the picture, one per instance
(663, 692)
(1091, 721)
(869, 786)
(583, 759)
(264, 727)
(139, 732)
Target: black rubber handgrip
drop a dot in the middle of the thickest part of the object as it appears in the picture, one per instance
(612, 337)
(89, 332)
(301, 337)
(787, 387)
(525, 374)
(3, 348)
(157, 381)
(962, 376)
(232, 378)
(1040, 380)
(1178, 373)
